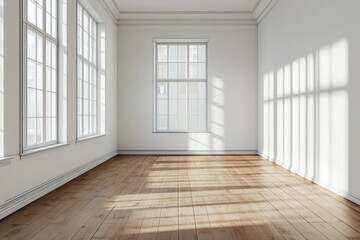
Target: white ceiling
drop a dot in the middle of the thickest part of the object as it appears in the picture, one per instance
(186, 5)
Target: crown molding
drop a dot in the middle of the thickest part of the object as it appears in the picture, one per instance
(260, 10)
(263, 9)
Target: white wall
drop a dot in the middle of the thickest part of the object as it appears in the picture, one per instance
(309, 58)
(232, 62)
(20, 174)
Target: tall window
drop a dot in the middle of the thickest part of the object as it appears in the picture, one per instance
(87, 84)
(181, 87)
(40, 95)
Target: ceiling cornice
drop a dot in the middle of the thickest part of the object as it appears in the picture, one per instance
(260, 10)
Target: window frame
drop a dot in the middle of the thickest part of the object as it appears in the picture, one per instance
(188, 80)
(98, 87)
(25, 26)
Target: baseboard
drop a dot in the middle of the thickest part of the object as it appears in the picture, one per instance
(14, 204)
(351, 197)
(186, 152)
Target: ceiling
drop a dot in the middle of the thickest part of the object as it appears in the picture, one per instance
(122, 10)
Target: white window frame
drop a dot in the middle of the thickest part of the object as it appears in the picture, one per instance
(24, 97)
(96, 92)
(187, 80)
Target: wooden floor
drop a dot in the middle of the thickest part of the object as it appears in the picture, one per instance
(202, 197)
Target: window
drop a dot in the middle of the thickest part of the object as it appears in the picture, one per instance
(40, 95)
(87, 75)
(181, 87)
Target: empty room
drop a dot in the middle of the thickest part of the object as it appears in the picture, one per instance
(179, 119)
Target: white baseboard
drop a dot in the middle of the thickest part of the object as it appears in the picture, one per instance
(349, 196)
(14, 204)
(186, 152)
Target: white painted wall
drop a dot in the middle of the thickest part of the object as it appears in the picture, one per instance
(232, 63)
(309, 58)
(21, 174)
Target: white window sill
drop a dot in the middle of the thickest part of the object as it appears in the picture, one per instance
(37, 150)
(5, 159)
(90, 137)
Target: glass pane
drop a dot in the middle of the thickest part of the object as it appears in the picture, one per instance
(173, 107)
(193, 70)
(162, 107)
(31, 45)
(39, 103)
(48, 6)
(193, 90)
(162, 70)
(161, 123)
(48, 53)
(173, 53)
(48, 23)
(54, 129)
(182, 70)
(39, 49)
(53, 55)
(162, 53)
(53, 105)
(173, 70)
(39, 74)
(182, 54)
(182, 90)
(31, 131)
(53, 81)
(54, 8)
(53, 28)
(201, 107)
(193, 105)
(48, 129)
(201, 90)
(173, 91)
(48, 79)
(31, 11)
(193, 51)
(201, 70)
(31, 74)
(48, 104)
(162, 91)
(39, 16)
(39, 130)
(202, 53)
(31, 103)
(182, 107)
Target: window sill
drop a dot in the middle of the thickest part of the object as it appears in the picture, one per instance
(37, 150)
(5, 159)
(90, 137)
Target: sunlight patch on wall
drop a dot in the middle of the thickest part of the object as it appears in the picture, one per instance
(306, 115)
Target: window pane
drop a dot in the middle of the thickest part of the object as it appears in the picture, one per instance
(193, 51)
(31, 103)
(31, 131)
(162, 70)
(162, 53)
(31, 74)
(182, 57)
(202, 53)
(173, 70)
(31, 11)
(31, 45)
(39, 130)
(173, 53)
